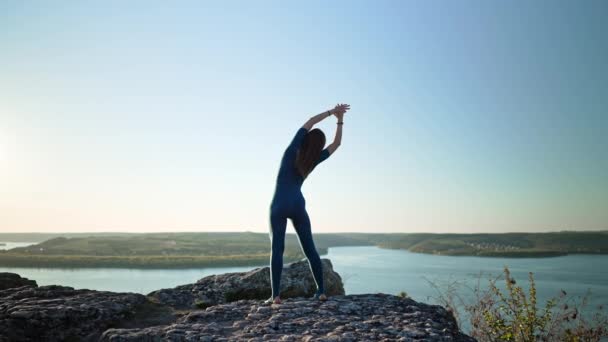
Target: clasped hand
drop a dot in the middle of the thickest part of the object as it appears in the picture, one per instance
(339, 110)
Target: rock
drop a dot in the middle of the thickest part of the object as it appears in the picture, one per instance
(58, 313)
(61, 313)
(296, 281)
(11, 280)
(340, 318)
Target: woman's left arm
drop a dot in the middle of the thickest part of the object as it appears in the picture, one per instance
(316, 119)
(338, 137)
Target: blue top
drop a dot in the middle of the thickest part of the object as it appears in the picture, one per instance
(289, 177)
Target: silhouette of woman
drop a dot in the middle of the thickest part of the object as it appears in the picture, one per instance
(302, 155)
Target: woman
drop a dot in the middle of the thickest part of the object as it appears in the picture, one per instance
(302, 155)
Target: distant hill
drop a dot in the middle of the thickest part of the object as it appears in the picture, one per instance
(40, 237)
(209, 249)
(504, 245)
(162, 250)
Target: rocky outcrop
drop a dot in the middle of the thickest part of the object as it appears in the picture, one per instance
(60, 313)
(233, 310)
(296, 281)
(372, 317)
(11, 280)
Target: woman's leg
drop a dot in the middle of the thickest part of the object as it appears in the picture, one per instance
(278, 224)
(301, 223)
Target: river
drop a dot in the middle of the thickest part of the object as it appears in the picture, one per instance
(369, 270)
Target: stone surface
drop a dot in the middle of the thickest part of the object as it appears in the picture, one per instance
(61, 313)
(11, 280)
(370, 317)
(296, 281)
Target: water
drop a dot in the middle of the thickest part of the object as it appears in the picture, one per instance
(370, 270)
(367, 270)
(373, 269)
(9, 245)
(118, 279)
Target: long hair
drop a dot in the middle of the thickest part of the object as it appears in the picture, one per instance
(310, 151)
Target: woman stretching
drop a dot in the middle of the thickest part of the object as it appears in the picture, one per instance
(302, 155)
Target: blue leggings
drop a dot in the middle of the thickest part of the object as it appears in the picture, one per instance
(301, 223)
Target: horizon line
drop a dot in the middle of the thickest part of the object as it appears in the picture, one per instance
(355, 232)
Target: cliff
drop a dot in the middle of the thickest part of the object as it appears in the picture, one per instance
(227, 307)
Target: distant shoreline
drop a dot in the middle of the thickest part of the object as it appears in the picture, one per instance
(202, 250)
(43, 236)
(24, 261)
(539, 254)
(196, 262)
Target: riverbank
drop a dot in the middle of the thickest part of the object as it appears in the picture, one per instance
(134, 262)
(214, 249)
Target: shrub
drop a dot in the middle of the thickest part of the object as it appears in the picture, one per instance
(403, 294)
(514, 315)
(201, 304)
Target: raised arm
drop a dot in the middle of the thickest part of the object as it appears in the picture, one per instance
(339, 113)
(337, 138)
(316, 119)
(338, 109)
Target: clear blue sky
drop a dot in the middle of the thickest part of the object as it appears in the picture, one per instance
(467, 116)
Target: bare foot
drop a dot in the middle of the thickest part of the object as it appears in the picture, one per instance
(276, 300)
(322, 297)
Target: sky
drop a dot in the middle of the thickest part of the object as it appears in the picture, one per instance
(466, 116)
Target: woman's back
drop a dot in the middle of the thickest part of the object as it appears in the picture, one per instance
(289, 178)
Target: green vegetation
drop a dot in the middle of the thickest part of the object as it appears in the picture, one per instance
(504, 245)
(201, 304)
(215, 249)
(514, 315)
(403, 294)
(162, 250)
(159, 262)
(40, 237)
